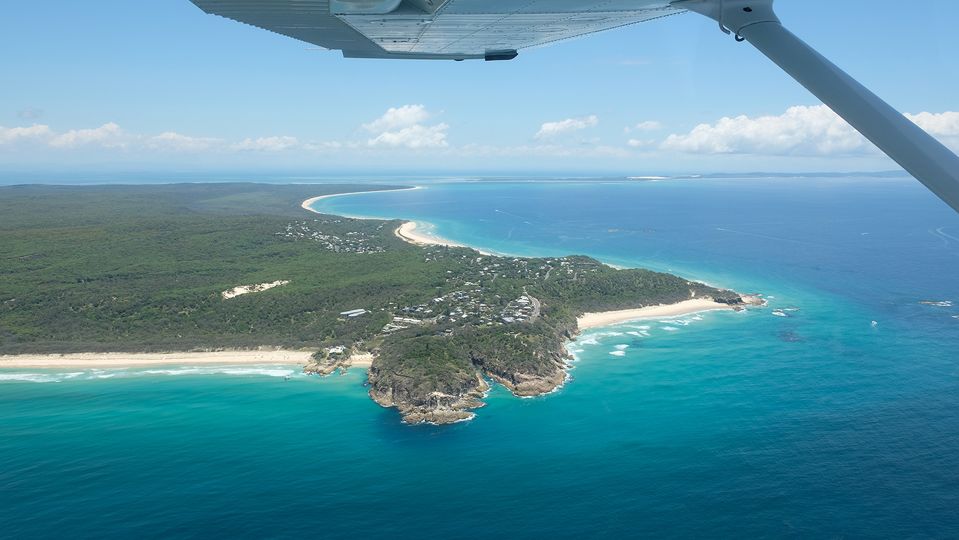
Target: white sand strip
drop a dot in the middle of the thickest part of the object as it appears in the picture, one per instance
(124, 360)
(407, 232)
(307, 204)
(688, 307)
(364, 360)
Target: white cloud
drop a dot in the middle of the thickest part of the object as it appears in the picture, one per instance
(800, 131)
(108, 135)
(552, 129)
(944, 126)
(414, 137)
(177, 142)
(267, 144)
(16, 134)
(404, 127)
(641, 143)
(648, 125)
(398, 118)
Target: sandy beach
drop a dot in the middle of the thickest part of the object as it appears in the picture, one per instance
(407, 232)
(309, 202)
(607, 318)
(124, 360)
(363, 360)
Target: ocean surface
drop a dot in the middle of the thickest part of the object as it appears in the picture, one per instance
(837, 416)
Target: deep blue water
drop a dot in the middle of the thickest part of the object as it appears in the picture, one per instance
(839, 420)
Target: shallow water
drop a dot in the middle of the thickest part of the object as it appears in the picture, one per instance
(817, 423)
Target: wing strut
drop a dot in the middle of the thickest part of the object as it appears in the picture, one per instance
(915, 150)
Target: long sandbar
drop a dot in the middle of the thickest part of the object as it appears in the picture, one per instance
(126, 360)
(688, 307)
(308, 204)
(406, 232)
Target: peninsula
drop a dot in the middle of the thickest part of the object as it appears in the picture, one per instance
(244, 267)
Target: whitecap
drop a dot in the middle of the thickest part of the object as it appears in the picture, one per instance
(30, 377)
(258, 371)
(621, 347)
(175, 371)
(670, 328)
(618, 353)
(637, 334)
(268, 371)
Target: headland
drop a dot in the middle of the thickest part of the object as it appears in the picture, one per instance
(434, 322)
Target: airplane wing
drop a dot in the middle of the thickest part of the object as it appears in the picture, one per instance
(436, 29)
(497, 29)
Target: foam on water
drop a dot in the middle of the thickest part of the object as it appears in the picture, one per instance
(30, 377)
(99, 374)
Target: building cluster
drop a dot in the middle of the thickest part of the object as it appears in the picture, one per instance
(350, 242)
(471, 305)
(491, 268)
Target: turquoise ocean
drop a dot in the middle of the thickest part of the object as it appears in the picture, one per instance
(838, 419)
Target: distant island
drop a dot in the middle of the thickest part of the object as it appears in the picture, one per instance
(190, 268)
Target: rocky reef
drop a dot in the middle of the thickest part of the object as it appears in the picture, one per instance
(418, 403)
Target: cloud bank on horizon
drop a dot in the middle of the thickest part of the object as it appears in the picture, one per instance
(413, 128)
(131, 86)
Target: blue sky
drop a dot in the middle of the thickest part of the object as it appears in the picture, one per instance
(159, 85)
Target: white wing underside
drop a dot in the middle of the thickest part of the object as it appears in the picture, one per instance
(434, 29)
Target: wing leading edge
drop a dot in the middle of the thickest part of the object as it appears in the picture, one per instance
(436, 29)
(496, 29)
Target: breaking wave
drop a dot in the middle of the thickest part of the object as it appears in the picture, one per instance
(124, 373)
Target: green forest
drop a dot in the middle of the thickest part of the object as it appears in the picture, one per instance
(144, 268)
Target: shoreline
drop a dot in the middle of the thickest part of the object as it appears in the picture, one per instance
(407, 233)
(588, 321)
(133, 360)
(306, 205)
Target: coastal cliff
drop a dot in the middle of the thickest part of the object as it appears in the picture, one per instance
(439, 376)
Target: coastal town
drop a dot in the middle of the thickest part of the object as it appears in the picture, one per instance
(433, 322)
(350, 242)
